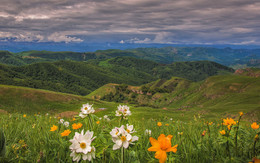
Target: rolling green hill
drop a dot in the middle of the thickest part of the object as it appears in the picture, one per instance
(30, 101)
(219, 94)
(10, 59)
(181, 99)
(84, 77)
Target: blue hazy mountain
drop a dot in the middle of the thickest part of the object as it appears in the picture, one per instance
(91, 47)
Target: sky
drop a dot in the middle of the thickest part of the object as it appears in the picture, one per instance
(205, 22)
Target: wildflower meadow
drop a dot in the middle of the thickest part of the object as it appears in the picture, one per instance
(116, 137)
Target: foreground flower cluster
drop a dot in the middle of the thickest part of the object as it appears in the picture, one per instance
(86, 146)
(81, 147)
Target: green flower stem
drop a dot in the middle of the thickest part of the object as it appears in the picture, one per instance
(208, 129)
(228, 150)
(122, 154)
(120, 121)
(254, 155)
(254, 151)
(90, 122)
(236, 135)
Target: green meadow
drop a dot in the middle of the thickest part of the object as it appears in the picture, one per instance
(27, 116)
(29, 139)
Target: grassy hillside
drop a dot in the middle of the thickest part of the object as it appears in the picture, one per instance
(178, 98)
(15, 99)
(31, 101)
(222, 94)
(84, 77)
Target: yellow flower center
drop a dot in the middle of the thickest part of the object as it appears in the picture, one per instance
(83, 145)
(86, 108)
(117, 132)
(123, 138)
(128, 131)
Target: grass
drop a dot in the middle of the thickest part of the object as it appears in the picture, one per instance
(31, 140)
(220, 95)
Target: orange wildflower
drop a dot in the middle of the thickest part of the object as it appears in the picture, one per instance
(161, 146)
(65, 133)
(166, 124)
(97, 122)
(24, 115)
(203, 133)
(223, 132)
(54, 128)
(210, 123)
(241, 114)
(254, 126)
(159, 124)
(76, 126)
(229, 122)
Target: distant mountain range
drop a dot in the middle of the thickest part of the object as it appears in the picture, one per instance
(237, 58)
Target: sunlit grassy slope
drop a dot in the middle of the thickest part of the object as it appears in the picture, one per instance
(222, 95)
(217, 95)
(30, 101)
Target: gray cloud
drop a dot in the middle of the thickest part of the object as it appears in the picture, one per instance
(131, 21)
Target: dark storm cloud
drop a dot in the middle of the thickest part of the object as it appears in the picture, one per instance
(134, 21)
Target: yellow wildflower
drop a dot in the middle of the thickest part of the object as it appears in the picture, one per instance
(241, 114)
(166, 124)
(24, 115)
(159, 124)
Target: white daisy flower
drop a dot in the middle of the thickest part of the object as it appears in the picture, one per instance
(130, 129)
(61, 121)
(66, 124)
(122, 138)
(90, 155)
(123, 110)
(115, 132)
(81, 146)
(85, 110)
(148, 132)
(134, 138)
(75, 156)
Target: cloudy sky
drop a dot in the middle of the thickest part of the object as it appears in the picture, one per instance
(234, 22)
